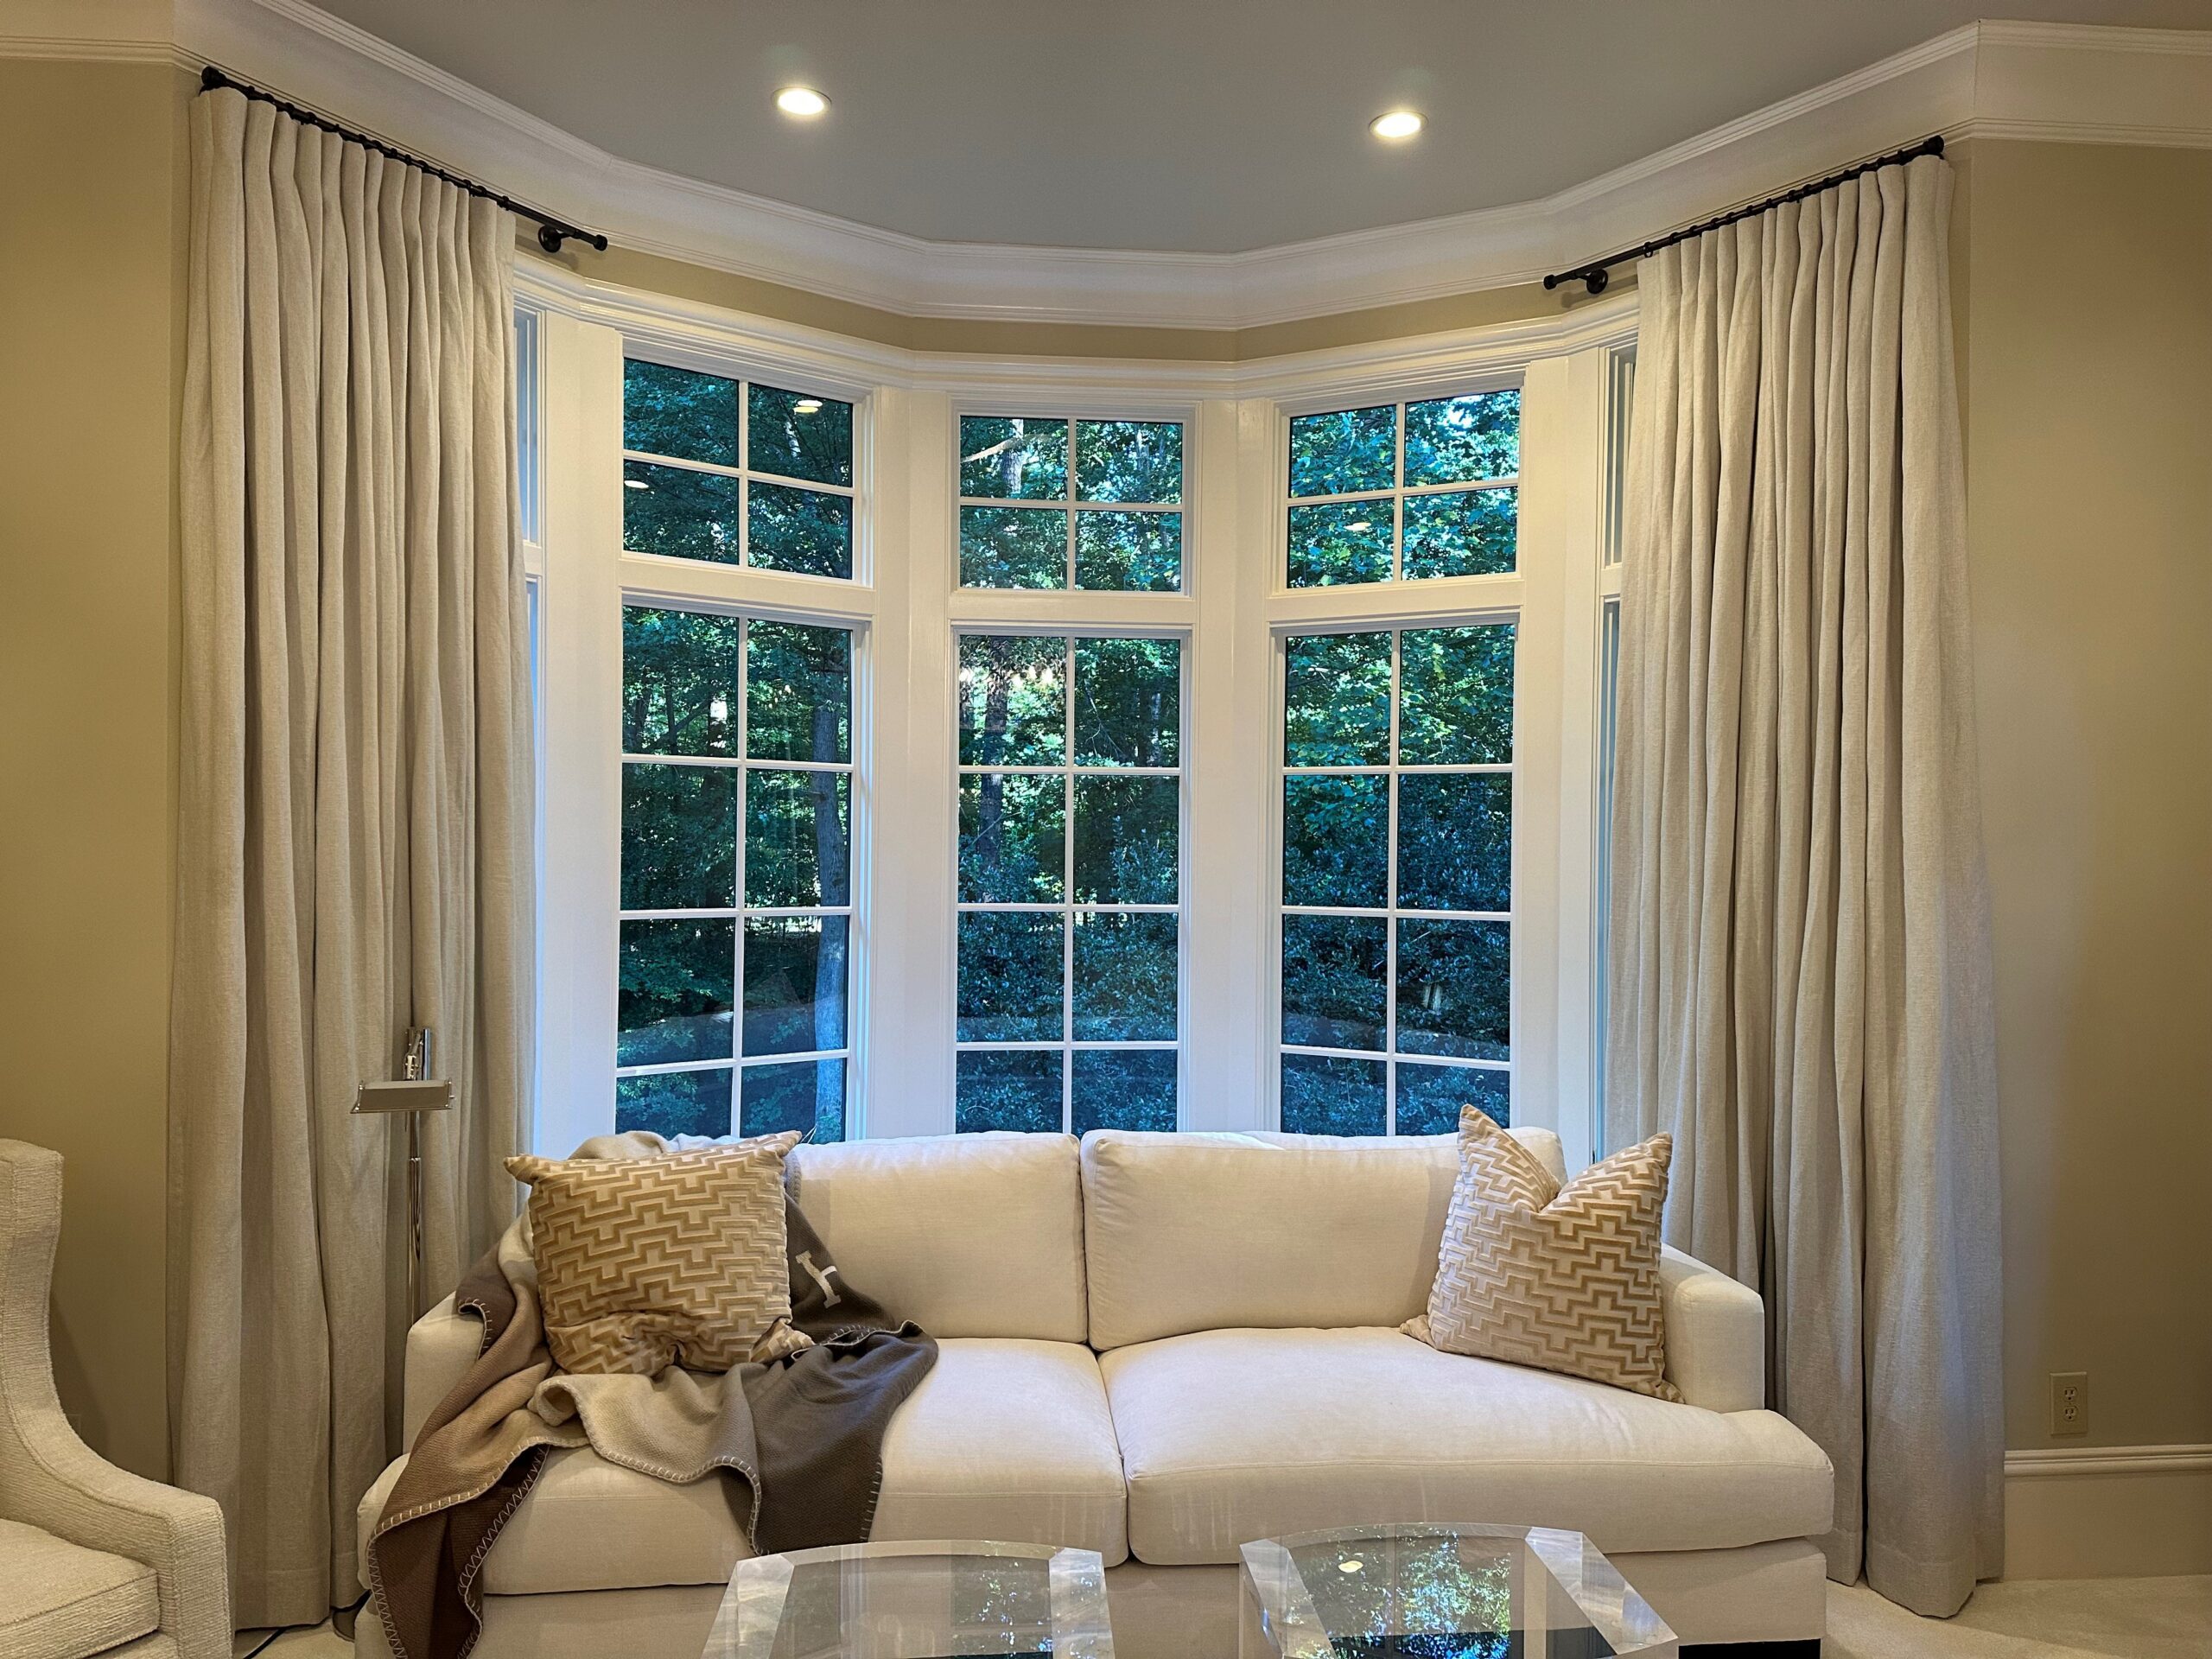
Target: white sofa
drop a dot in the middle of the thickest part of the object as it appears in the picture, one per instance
(1160, 1347)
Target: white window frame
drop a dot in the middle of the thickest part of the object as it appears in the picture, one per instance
(1068, 1045)
(907, 611)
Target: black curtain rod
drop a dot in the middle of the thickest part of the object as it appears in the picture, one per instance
(552, 232)
(1595, 276)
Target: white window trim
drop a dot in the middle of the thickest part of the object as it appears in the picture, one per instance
(906, 612)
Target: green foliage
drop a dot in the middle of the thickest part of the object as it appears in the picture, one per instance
(680, 513)
(1430, 1096)
(1455, 841)
(1011, 846)
(1462, 533)
(1334, 989)
(1128, 702)
(1456, 440)
(1456, 696)
(1013, 547)
(1324, 1093)
(794, 984)
(1122, 1089)
(679, 836)
(798, 838)
(1127, 836)
(807, 1096)
(1126, 976)
(797, 435)
(799, 692)
(680, 672)
(674, 1103)
(1010, 976)
(808, 533)
(1013, 700)
(1343, 451)
(1337, 699)
(1130, 461)
(1453, 980)
(1335, 840)
(1336, 542)
(679, 412)
(1008, 1089)
(1013, 458)
(676, 991)
(1128, 552)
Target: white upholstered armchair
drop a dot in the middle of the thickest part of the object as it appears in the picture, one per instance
(93, 1560)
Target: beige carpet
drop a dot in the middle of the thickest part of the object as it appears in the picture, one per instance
(2048, 1619)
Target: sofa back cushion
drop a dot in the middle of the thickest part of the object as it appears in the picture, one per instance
(1202, 1232)
(966, 1235)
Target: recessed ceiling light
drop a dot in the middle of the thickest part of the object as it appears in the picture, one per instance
(801, 101)
(635, 484)
(1397, 124)
(807, 406)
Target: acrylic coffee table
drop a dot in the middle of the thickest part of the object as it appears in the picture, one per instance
(940, 1600)
(1438, 1592)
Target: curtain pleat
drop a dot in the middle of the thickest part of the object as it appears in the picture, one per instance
(1801, 978)
(353, 837)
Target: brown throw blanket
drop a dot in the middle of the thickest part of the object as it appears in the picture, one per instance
(800, 1441)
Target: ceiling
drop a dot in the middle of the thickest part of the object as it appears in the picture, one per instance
(1203, 126)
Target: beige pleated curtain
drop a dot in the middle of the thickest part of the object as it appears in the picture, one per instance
(1800, 970)
(354, 851)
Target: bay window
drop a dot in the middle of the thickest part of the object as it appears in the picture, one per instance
(935, 747)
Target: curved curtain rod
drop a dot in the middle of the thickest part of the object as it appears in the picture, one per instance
(1596, 274)
(552, 232)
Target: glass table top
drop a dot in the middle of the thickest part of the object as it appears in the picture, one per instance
(934, 1600)
(1441, 1591)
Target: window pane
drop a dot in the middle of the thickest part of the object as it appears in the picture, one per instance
(1129, 461)
(1026, 460)
(800, 435)
(1456, 698)
(676, 1001)
(1336, 841)
(1128, 552)
(1333, 984)
(1337, 700)
(679, 837)
(679, 682)
(1466, 533)
(807, 1096)
(1011, 970)
(1337, 454)
(1011, 1089)
(794, 984)
(680, 513)
(1123, 1089)
(1452, 439)
(674, 1103)
(1455, 841)
(798, 838)
(1430, 1096)
(1451, 988)
(1013, 700)
(1011, 845)
(1125, 840)
(679, 412)
(807, 531)
(1125, 976)
(1325, 1095)
(1013, 547)
(799, 692)
(1128, 702)
(1340, 542)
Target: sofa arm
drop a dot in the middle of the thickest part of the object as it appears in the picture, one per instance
(1716, 1335)
(441, 1347)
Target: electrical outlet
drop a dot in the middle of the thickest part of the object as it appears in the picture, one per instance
(2069, 1402)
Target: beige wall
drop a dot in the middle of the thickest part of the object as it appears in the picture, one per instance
(2087, 344)
(90, 213)
(2089, 459)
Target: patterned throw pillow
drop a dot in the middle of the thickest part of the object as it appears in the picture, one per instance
(1566, 1278)
(644, 1262)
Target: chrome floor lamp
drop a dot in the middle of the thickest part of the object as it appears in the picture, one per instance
(416, 1093)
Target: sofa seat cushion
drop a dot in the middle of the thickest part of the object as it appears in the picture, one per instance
(1005, 1439)
(60, 1601)
(1232, 1435)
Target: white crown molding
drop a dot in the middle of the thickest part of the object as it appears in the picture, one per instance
(2063, 83)
(842, 365)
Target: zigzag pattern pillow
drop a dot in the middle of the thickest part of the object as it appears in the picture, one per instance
(644, 1262)
(1564, 1278)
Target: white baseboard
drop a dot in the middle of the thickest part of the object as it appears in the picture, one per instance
(2108, 1511)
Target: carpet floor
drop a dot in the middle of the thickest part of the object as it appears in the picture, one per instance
(2046, 1618)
